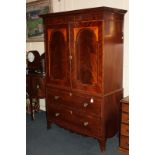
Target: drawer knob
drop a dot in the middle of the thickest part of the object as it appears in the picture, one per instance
(37, 86)
(85, 104)
(70, 94)
(85, 123)
(57, 114)
(91, 100)
(56, 97)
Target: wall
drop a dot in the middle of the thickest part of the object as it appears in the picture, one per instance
(66, 5)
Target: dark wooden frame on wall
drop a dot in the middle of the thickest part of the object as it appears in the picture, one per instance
(33, 10)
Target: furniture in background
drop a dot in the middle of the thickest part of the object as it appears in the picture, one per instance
(124, 129)
(84, 70)
(35, 80)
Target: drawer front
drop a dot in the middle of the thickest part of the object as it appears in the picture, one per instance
(88, 105)
(125, 118)
(124, 129)
(76, 121)
(125, 107)
(124, 142)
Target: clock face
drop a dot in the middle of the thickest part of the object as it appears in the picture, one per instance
(30, 57)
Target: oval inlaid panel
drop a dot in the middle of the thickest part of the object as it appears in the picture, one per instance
(86, 51)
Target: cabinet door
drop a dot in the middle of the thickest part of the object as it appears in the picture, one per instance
(57, 56)
(87, 56)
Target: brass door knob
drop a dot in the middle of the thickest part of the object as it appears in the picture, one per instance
(38, 86)
(70, 57)
(85, 123)
(57, 114)
(85, 104)
(91, 100)
(56, 97)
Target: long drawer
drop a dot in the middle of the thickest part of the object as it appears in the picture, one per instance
(74, 120)
(86, 104)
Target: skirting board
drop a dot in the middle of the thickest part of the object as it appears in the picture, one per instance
(42, 104)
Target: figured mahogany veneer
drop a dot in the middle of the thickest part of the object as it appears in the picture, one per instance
(84, 69)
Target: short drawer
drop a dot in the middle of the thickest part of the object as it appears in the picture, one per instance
(86, 104)
(125, 108)
(124, 142)
(124, 129)
(125, 118)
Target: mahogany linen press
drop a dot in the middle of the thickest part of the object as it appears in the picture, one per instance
(84, 70)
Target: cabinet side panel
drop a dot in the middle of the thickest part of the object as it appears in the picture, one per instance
(113, 56)
(111, 113)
